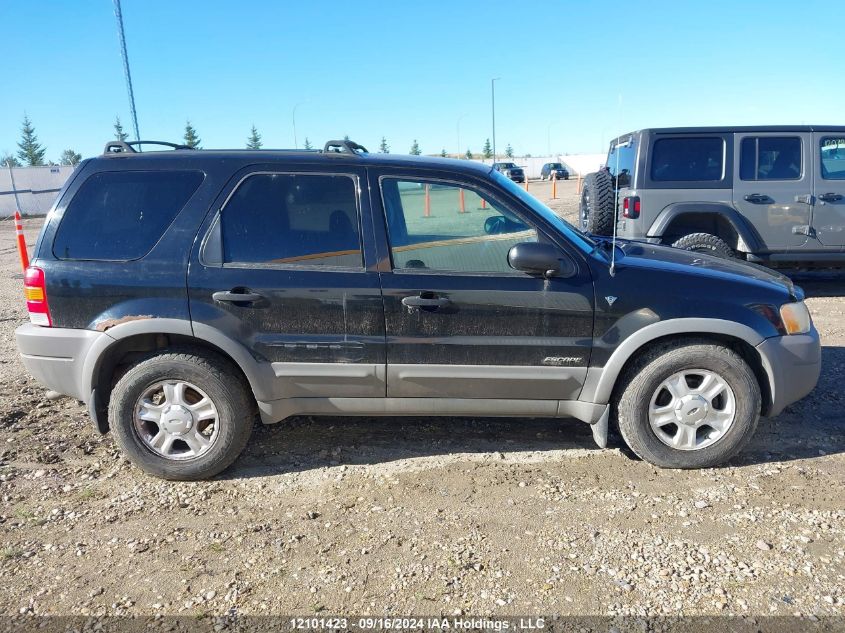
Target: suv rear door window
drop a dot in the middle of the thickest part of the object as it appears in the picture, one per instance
(120, 215)
(292, 219)
(770, 158)
(832, 152)
(697, 159)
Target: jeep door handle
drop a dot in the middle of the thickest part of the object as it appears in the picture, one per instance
(425, 302)
(831, 197)
(236, 297)
(758, 198)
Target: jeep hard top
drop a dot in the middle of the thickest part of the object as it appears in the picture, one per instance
(767, 194)
(180, 293)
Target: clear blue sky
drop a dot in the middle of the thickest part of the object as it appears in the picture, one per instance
(409, 70)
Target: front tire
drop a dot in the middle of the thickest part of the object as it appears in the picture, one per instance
(705, 243)
(182, 415)
(688, 404)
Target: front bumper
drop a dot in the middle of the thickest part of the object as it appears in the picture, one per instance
(56, 356)
(793, 364)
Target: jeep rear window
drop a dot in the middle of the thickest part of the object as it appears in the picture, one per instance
(120, 215)
(621, 160)
(770, 158)
(697, 159)
(293, 220)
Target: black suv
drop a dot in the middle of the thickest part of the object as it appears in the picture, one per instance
(554, 170)
(511, 170)
(178, 293)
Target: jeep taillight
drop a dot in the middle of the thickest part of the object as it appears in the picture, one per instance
(631, 207)
(35, 290)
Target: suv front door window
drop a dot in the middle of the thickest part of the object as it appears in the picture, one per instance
(460, 322)
(829, 190)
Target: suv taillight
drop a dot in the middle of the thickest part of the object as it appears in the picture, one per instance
(631, 207)
(35, 290)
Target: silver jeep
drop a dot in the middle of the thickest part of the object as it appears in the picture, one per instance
(768, 194)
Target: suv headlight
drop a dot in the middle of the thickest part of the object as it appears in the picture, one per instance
(795, 317)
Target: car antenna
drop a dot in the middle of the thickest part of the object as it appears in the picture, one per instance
(612, 270)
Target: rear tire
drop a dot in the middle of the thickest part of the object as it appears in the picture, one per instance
(642, 415)
(165, 439)
(597, 211)
(705, 243)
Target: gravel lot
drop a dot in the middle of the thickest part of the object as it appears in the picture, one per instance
(423, 515)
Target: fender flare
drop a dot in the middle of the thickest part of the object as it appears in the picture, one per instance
(260, 375)
(600, 381)
(749, 239)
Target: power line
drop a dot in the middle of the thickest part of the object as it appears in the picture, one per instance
(119, 15)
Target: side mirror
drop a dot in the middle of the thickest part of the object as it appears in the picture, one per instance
(537, 258)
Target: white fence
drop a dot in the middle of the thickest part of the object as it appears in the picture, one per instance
(575, 163)
(31, 190)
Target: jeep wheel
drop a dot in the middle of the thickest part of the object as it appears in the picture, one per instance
(705, 243)
(688, 404)
(183, 416)
(597, 201)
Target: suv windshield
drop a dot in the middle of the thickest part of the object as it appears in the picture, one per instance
(506, 165)
(555, 166)
(575, 236)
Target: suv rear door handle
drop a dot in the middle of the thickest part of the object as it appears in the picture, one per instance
(758, 198)
(236, 297)
(831, 197)
(425, 302)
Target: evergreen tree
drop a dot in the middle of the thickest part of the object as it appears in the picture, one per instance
(487, 150)
(308, 144)
(192, 139)
(383, 147)
(119, 133)
(443, 153)
(9, 160)
(31, 152)
(415, 148)
(509, 151)
(346, 137)
(254, 140)
(69, 157)
(468, 155)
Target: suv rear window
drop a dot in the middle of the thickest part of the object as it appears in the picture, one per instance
(770, 158)
(120, 215)
(621, 161)
(293, 219)
(688, 159)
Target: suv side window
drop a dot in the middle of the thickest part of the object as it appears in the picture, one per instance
(292, 219)
(120, 215)
(440, 226)
(832, 152)
(698, 159)
(770, 158)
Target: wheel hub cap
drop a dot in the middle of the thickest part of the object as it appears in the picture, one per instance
(177, 420)
(691, 410)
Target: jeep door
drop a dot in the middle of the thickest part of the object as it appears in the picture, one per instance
(774, 186)
(460, 322)
(829, 209)
(283, 271)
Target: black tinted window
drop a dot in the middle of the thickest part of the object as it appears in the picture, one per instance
(621, 161)
(770, 158)
(688, 159)
(833, 158)
(292, 219)
(120, 215)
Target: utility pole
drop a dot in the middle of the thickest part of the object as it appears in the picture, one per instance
(119, 15)
(493, 103)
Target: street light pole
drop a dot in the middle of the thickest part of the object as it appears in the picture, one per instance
(493, 104)
(460, 118)
(295, 143)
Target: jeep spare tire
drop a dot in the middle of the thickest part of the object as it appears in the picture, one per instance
(597, 200)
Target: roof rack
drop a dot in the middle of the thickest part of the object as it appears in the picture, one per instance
(124, 147)
(344, 147)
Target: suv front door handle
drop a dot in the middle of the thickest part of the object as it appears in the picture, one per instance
(425, 302)
(758, 198)
(831, 197)
(231, 296)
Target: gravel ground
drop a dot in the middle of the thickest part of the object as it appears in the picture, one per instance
(423, 515)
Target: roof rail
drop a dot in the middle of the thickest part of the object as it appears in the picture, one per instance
(124, 147)
(344, 147)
